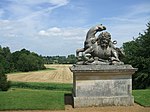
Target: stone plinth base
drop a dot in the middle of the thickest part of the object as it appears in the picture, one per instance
(103, 101)
(102, 85)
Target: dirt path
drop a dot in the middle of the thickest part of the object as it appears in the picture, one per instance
(62, 74)
(68, 108)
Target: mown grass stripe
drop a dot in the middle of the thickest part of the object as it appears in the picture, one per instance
(42, 86)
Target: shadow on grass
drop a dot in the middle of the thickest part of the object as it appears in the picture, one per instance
(68, 99)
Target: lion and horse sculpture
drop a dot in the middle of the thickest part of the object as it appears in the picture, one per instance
(99, 50)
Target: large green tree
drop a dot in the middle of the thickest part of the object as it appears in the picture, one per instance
(25, 61)
(138, 55)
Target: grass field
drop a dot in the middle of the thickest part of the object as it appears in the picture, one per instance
(31, 99)
(34, 96)
(142, 97)
(47, 96)
(27, 99)
(44, 90)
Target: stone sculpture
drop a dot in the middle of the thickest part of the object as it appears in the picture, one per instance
(100, 78)
(99, 50)
(102, 85)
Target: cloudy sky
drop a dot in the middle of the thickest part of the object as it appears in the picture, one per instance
(58, 27)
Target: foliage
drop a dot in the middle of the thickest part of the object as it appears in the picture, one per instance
(42, 86)
(23, 60)
(138, 55)
(6, 59)
(70, 59)
(142, 97)
(27, 99)
(26, 61)
(4, 84)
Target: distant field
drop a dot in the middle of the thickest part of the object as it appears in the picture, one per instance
(62, 74)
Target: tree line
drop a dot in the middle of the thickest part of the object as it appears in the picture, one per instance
(70, 59)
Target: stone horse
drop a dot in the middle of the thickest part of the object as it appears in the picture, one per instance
(90, 40)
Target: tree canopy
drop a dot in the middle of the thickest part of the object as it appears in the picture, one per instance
(138, 55)
(22, 60)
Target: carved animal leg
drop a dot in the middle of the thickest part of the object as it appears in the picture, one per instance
(115, 58)
(86, 54)
(78, 51)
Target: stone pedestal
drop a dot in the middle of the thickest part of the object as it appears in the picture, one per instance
(102, 85)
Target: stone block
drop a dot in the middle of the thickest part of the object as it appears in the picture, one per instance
(102, 85)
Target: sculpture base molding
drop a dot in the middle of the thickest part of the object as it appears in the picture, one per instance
(103, 101)
(102, 85)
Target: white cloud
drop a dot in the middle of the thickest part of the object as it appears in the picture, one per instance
(23, 19)
(4, 22)
(36, 2)
(43, 33)
(30, 24)
(59, 2)
(22, 10)
(51, 32)
(77, 34)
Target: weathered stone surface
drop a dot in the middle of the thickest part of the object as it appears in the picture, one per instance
(102, 85)
(92, 68)
(114, 87)
(103, 101)
(99, 50)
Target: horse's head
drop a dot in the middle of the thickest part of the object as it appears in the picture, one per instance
(100, 27)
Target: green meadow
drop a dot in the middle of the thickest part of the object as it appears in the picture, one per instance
(47, 96)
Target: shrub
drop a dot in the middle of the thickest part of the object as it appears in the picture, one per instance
(4, 84)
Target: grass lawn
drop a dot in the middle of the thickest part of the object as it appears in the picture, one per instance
(142, 97)
(28, 99)
(47, 96)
